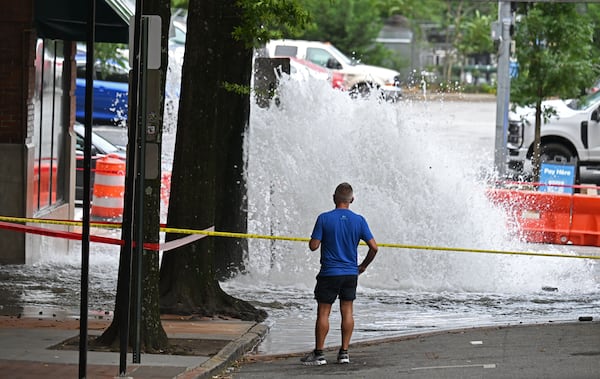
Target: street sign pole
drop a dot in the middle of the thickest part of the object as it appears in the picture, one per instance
(503, 86)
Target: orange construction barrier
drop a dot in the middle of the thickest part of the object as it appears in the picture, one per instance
(585, 227)
(165, 188)
(44, 183)
(546, 217)
(109, 188)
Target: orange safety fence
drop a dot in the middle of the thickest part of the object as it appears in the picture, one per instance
(547, 217)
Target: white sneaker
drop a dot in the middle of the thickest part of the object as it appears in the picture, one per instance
(314, 359)
(343, 357)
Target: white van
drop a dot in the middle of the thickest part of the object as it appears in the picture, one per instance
(358, 78)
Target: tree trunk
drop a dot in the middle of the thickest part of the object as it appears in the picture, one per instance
(152, 335)
(188, 282)
(231, 198)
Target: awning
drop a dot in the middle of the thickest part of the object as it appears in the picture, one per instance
(67, 20)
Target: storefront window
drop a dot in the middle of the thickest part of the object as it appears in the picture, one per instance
(49, 126)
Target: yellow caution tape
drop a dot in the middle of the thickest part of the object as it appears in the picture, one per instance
(296, 239)
(22, 220)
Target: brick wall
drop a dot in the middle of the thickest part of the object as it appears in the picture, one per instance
(17, 74)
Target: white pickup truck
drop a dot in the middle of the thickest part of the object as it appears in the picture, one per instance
(571, 136)
(357, 78)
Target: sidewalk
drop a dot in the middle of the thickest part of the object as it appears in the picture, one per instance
(25, 353)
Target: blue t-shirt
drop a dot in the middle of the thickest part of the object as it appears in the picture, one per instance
(340, 231)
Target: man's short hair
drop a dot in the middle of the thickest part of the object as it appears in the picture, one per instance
(343, 192)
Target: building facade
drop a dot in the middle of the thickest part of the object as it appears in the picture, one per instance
(37, 112)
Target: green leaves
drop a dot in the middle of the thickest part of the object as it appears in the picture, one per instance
(476, 36)
(107, 55)
(555, 54)
(554, 51)
(350, 25)
(269, 19)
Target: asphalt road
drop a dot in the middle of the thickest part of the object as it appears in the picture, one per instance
(549, 351)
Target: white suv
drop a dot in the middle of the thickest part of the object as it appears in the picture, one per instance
(570, 136)
(358, 78)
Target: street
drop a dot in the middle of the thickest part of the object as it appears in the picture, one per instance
(536, 351)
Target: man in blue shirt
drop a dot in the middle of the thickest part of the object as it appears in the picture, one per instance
(338, 233)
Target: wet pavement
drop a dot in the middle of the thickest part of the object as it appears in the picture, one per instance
(556, 350)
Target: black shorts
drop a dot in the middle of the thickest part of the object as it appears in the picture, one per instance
(328, 288)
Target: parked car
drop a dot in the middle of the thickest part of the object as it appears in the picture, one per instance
(358, 79)
(100, 148)
(594, 88)
(301, 69)
(111, 86)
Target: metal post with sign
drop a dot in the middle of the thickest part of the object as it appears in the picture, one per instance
(149, 65)
(145, 61)
(87, 164)
(124, 282)
(501, 33)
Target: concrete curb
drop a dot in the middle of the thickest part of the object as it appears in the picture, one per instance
(229, 354)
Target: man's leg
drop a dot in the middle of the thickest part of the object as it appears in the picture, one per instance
(322, 325)
(346, 309)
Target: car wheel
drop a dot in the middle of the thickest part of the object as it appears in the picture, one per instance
(557, 153)
(360, 91)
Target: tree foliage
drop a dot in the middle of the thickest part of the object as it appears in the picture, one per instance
(107, 55)
(417, 10)
(351, 25)
(264, 20)
(555, 55)
(476, 37)
(268, 19)
(593, 13)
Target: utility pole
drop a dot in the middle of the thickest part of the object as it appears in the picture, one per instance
(502, 33)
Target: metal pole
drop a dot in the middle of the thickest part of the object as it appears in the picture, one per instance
(140, 174)
(128, 211)
(503, 87)
(87, 164)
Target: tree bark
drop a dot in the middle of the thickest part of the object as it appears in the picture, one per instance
(203, 150)
(233, 124)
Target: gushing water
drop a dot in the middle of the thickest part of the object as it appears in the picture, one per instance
(413, 186)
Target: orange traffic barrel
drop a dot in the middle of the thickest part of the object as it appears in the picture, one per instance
(109, 188)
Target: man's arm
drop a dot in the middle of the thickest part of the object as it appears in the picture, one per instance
(314, 244)
(370, 255)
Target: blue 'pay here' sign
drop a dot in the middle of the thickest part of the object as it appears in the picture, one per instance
(558, 178)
